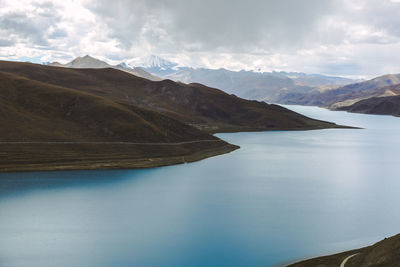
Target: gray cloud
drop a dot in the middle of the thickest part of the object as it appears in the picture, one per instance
(35, 27)
(382, 15)
(341, 37)
(194, 25)
(6, 42)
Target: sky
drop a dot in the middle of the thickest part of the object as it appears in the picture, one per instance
(357, 38)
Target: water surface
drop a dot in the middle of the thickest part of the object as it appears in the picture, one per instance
(283, 196)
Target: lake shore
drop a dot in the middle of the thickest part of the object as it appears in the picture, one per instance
(282, 198)
(60, 156)
(68, 156)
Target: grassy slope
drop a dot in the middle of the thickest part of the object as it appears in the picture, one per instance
(204, 107)
(32, 111)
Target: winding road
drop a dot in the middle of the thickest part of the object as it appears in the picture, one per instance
(346, 259)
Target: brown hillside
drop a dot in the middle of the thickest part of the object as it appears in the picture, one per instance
(204, 107)
(35, 111)
(49, 127)
(389, 105)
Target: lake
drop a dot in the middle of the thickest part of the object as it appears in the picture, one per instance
(282, 197)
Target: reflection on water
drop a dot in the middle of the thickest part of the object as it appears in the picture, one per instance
(282, 196)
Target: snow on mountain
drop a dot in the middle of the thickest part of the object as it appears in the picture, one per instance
(125, 65)
(154, 61)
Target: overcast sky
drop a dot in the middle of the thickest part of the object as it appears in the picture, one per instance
(336, 37)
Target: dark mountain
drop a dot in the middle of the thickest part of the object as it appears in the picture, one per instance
(64, 118)
(383, 254)
(386, 85)
(203, 107)
(389, 105)
(37, 111)
(50, 127)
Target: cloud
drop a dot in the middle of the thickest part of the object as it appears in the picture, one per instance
(33, 27)
(359, 37)
(6, 42)
(211, 25)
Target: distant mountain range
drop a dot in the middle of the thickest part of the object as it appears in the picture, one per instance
(375, 96)
(267, 86)
(349, 94)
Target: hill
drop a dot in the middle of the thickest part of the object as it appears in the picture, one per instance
(65, 118)
(195, 104)
(47, 127)
(347, 95)
(384, 254)
(389, 105)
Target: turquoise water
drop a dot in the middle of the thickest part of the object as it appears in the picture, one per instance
(283, 196)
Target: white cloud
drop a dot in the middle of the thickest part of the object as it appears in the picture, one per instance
(360, 37)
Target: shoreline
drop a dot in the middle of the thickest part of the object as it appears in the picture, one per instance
(129, 162)
(62, 156)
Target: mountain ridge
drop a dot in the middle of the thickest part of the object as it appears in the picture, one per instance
(269, 86)
(88, 62)
(276, 87)
(388, 105)
(349, 94)
(206, 108)
(57, 118)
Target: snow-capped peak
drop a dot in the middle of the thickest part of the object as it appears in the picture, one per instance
(153, 61)
(124, 65)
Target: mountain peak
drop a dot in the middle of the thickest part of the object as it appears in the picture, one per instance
(124, 65)
(154, 61)
(87, 62)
